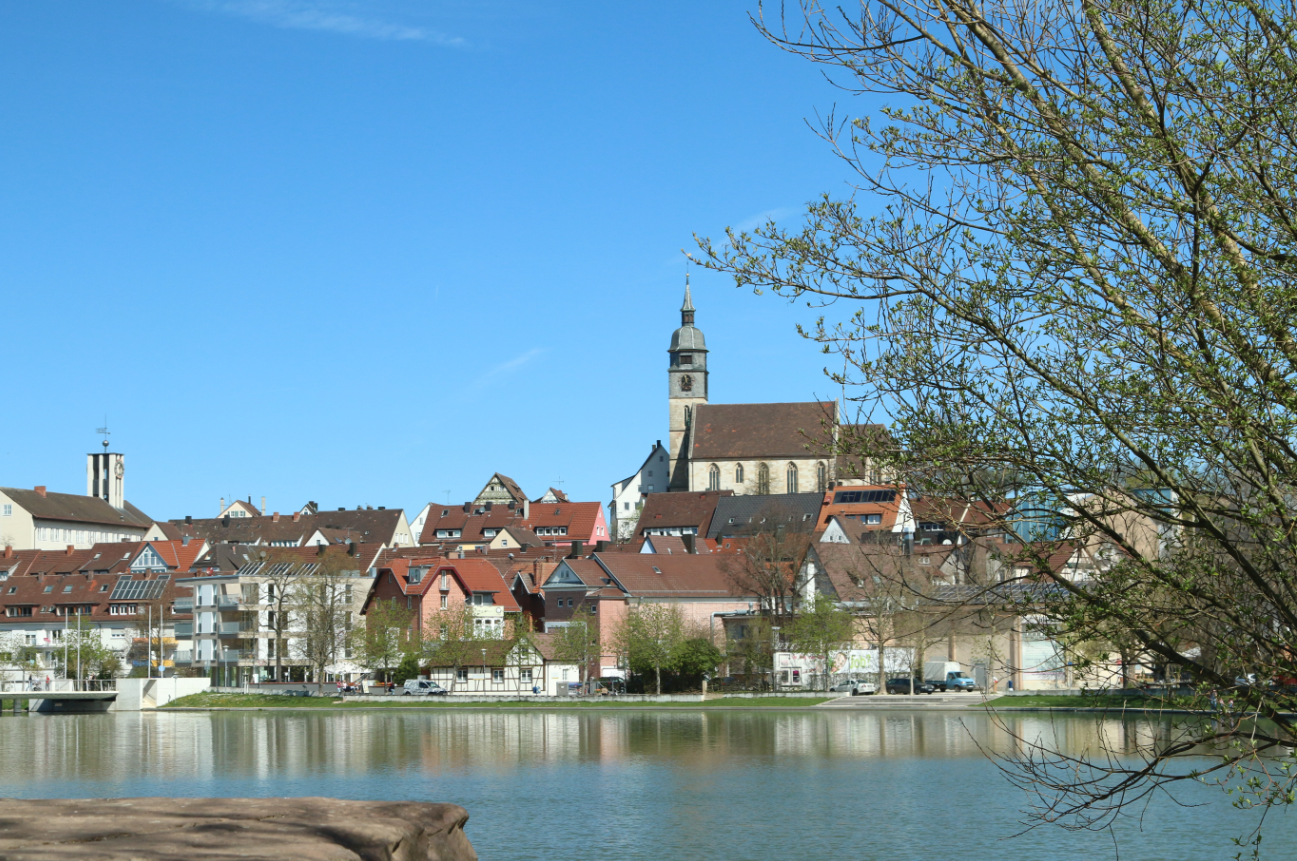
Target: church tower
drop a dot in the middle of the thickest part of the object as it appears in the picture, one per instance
(686, 389)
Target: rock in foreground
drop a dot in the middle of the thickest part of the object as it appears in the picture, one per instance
(310, 829)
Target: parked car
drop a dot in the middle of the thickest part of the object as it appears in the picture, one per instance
(421, 688)
(864, 689)
(902, 686)
(846, 686)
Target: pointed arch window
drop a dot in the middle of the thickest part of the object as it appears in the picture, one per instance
(738, 474)
(792, 478)
(763, 478)
(821, 477)
(714, 478)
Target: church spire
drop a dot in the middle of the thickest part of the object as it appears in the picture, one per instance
(687, 309)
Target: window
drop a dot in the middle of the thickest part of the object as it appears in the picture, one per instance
(925, 560)
(625, 506)
(483, 599)
(119, 633)
(48, 589)
(763, 479)
(524, 675)
(714, 478)
(930, 527)
(103, 588)
(686, 358)
(792, 478)
(18, 611)
(497, 676)
(409, 603)
(821, 477)
(874, 519)
(443, 602)
(461, 675)
(738, 474)
(8, 510)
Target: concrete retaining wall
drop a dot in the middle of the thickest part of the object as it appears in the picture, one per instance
(135, 695)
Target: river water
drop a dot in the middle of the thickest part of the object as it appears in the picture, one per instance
(655, 785)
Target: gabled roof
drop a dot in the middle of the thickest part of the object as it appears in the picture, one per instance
(851, 568)
(651, 576)
(745, 515)
(658, 447)
(74, 508)
(473, 575)
(763, 431)
(362, 526)
(679, 510)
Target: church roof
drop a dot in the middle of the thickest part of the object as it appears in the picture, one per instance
(75, 508)
(762, 431)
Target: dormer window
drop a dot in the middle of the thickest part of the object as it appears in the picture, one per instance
(686, 358)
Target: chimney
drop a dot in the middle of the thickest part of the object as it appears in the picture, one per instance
(908, 542)
(70, 549)
(467, 506)
(274, 518)
(263, 506)
(225, 521)
(526, 509)
(578, 549)
(189, 518)
(461, 553)
(690, 546)
(599, 546)
(488, 506)
(222, 508)
(9, 551)
(40, 491)
(297, 515)
(320, 548)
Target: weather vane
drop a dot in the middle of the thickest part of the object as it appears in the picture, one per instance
(104, 432)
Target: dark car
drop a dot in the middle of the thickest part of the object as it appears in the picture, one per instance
(902, 686)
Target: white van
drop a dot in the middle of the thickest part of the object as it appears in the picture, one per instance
(422, 688)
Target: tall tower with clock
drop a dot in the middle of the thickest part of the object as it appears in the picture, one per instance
(686, 388)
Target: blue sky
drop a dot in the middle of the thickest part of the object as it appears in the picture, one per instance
(368, 253)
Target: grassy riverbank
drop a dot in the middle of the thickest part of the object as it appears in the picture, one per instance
(275, 701)
(1098, 701)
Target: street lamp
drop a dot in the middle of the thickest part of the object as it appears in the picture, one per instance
(774, 649)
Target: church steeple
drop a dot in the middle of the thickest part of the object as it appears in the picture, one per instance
(686, 388)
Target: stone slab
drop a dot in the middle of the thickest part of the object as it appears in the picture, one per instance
(284, 829)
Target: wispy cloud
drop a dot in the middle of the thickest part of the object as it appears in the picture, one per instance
(333, 17)
(511, 365)
(761, 218)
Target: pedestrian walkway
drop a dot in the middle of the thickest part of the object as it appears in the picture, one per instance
(907, 701)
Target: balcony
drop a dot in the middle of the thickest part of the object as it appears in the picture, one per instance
(234, 629)
(183, 605)
(227, 602)
(184, 629)
(229, 656)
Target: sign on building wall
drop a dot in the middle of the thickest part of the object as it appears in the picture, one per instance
(847, 661)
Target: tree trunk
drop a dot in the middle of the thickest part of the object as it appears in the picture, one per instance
(658, 672)
(882, 673)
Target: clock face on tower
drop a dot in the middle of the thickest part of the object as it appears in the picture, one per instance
(686, 383)
(120, 469)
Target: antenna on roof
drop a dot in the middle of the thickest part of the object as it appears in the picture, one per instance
(103, 431)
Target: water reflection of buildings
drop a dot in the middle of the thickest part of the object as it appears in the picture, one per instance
(256, 746)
